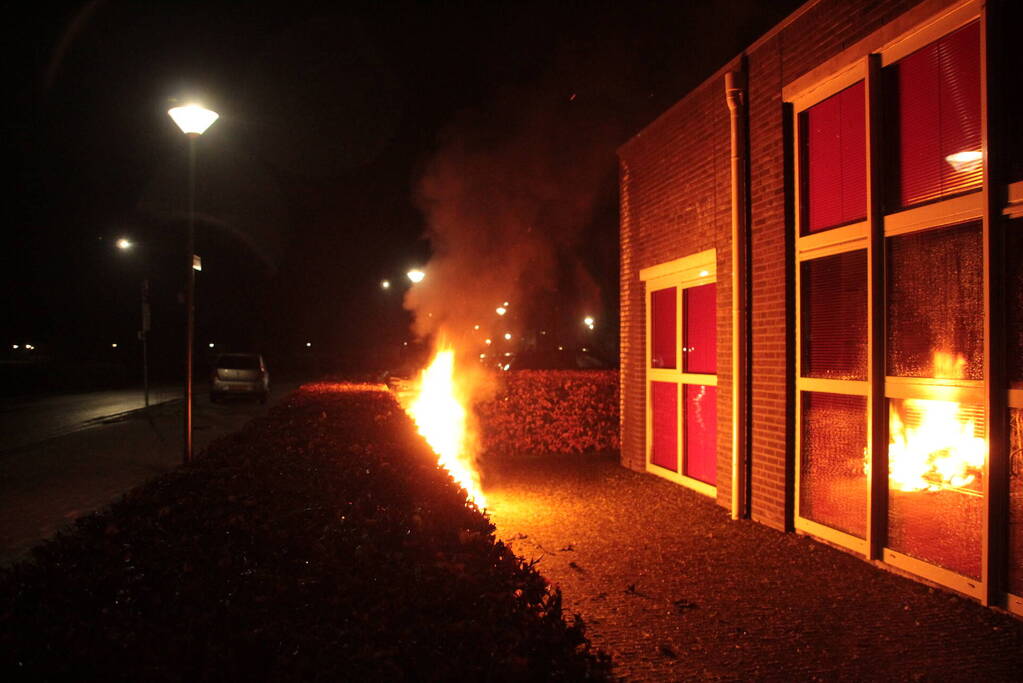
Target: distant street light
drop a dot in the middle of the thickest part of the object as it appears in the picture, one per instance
(385, 284)
(193, 121)
(124, 244)
(589, 321)
(416, 275)
(501, 310)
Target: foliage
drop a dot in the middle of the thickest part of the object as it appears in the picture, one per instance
(320, 543)
(552, 411)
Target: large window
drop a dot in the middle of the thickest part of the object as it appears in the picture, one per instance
(682, 371)
(892, 451)
(932, 120)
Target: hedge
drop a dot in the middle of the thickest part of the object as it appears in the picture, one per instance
(320, 543)
(551, 411)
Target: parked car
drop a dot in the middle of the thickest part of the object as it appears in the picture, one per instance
(239, 374)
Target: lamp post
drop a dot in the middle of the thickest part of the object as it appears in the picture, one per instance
(125, 244)
(193, 121)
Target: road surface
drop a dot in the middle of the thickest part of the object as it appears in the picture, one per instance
(65, 456)
(31, 421)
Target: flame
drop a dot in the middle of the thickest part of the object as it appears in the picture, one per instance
(940, 450)
(440, 413)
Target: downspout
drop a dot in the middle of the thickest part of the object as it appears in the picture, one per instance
(735, 93)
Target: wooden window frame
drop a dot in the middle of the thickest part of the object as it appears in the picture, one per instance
(684, 273)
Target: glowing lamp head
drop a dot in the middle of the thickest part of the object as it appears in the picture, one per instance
(507, 336)
(193, 119)
(124, 243)
(416, 275)
(501, 310)
(965, 161)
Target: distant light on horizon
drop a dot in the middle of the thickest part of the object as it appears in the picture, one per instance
(212, 345)
(507, 336)
(589, 321)
(385, 284)
(15, 347)
(475, 327)
(416, 275)
(124, 243)
(488, 342)
(114, 345)
(308, 344)
(501, 310)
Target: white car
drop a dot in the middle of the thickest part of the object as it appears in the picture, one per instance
(239, 374)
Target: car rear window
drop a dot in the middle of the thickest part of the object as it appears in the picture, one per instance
(238, 362)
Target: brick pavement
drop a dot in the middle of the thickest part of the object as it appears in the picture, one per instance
(674, 590)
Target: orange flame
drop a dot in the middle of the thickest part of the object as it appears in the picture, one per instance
(440, 412)
(941, 449)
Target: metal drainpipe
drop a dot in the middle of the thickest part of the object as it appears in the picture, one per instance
(735, 93)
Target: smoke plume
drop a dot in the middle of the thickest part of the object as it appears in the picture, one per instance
(507, 200)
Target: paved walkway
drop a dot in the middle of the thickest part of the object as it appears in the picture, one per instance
(673, 589)
(46, 483)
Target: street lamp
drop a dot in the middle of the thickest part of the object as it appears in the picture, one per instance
(193, 121)
(416, 275)
(125, 244)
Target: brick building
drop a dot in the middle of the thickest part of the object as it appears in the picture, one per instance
(822, 292)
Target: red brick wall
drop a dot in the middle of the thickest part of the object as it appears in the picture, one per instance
(675, 201)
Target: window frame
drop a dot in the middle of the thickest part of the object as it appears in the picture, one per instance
(865, 60)
(683, 273)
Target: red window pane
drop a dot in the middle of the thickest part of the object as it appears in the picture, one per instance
(700, 346)
(933, 117)
(663, 326)
(701, 433)
(664, 424)
(835, 160)
(834, 316)
(832, 481)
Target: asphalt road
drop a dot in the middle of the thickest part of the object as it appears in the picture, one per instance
(25, 422)
(64, 456)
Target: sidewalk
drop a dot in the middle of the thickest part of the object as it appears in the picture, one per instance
(49, 483)
(673, 589)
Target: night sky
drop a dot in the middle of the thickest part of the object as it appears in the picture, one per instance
(347, 137)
